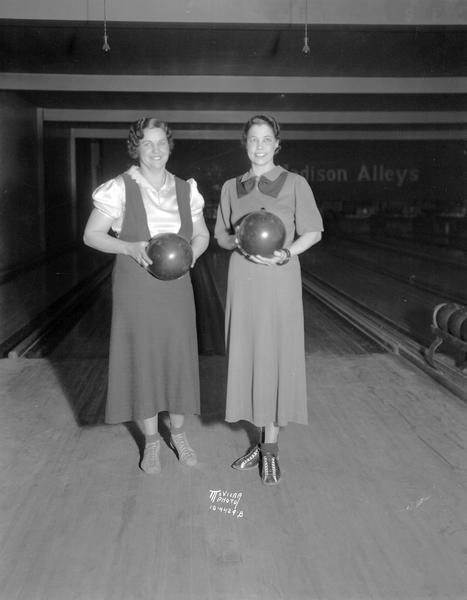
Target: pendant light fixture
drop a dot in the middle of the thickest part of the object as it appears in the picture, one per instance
(106, 45)
(306, 48)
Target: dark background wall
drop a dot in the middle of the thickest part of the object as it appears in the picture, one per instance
(59, 212)
(381, 176)
(20, 207)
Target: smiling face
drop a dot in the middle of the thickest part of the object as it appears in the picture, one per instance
(261, 145)
(153, 150)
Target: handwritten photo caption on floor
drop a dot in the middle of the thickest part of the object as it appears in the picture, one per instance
(226, 502)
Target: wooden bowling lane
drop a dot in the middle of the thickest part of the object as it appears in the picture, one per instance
(406, 307)
(370, 285)
(372, 504)
(440, 271)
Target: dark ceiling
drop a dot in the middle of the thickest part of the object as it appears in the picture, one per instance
(234, 50)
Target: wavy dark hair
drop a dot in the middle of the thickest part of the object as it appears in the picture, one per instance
(136, 134)
(262, 120)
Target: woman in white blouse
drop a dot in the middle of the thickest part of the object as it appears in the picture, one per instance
(153, 359)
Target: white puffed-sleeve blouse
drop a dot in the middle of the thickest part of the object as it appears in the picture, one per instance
(161, 206)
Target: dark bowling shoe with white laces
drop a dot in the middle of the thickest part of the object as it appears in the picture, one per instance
(270, 470)
(250, 460)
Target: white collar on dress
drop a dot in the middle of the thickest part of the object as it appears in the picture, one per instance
(135, 173)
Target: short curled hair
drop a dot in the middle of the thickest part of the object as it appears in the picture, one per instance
(262, 120)
(136, 134)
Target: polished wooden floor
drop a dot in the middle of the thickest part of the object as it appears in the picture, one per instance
(372, 505)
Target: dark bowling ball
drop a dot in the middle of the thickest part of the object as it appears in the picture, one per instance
(463, 330)
(442, 314)
(456, 320)
(171, 256)
(261, 233)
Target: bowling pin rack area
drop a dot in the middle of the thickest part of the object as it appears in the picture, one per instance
(449, 326)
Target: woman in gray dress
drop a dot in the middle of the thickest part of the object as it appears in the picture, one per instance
(266, 381)
(153, 359)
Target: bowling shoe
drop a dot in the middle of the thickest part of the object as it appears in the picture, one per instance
(186, 454)
(248, 461)
(270, 471)
(150, 463)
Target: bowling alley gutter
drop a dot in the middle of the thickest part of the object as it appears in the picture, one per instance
(33, 334)
(385, 335)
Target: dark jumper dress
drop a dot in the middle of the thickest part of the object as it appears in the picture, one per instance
(153, 360)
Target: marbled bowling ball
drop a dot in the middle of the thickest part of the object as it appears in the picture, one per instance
(261, 232)
(171, 256)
